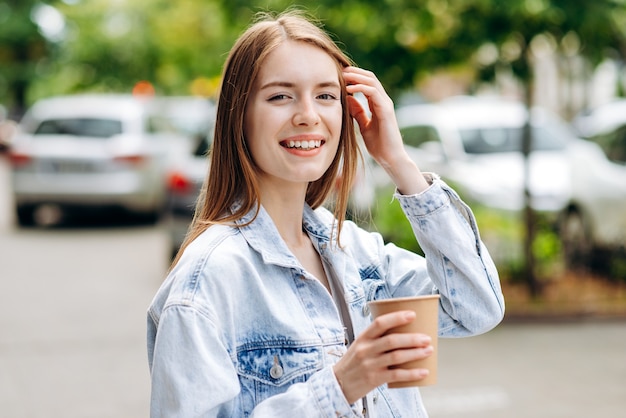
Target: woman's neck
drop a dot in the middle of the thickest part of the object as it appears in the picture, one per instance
(286, 207)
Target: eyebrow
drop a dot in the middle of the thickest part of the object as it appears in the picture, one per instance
(291, 85)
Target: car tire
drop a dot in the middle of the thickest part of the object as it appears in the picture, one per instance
(25, 215)
(153, 217)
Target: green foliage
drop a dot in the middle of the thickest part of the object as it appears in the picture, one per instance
(111, 46)
(618, 266)
(180, 46)
(21, 48)
(389, 220)
(504, 232)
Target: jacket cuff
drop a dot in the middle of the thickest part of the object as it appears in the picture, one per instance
(329, 395)
(426, 202)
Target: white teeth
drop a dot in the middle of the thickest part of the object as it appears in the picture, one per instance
(304, 144)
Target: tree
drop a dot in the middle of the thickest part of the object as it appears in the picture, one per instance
(179, 47)
(586, 27)
(22, 47)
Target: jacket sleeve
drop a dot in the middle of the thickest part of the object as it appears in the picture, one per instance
(458, 265)
(193, 375)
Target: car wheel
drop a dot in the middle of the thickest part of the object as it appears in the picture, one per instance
(151, 218)
(25, 215)
(576, 240)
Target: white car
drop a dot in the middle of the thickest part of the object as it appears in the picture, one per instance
(476, 145)
(186, 177)
(92, 151)
(595, 224)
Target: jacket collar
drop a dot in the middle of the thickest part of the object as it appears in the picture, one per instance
(262, 234)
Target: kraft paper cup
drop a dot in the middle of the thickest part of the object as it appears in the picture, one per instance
(426, 309)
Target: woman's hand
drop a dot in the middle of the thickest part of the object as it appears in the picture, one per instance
(368, 361)
(380, 131)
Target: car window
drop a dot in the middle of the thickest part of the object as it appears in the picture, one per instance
(99, 128)
(494, 140)
(190, 126)
(415, 136)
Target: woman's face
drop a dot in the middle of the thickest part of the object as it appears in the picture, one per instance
(294, 115)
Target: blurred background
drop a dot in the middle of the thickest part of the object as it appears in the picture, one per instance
(106, 115)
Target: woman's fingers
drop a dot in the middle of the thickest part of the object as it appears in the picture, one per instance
(384, 323)
(366, 82)
(373, 357)
(358, 112)
(356, 75)
(400, 356)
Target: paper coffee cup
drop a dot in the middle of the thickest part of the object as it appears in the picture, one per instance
(426, 309)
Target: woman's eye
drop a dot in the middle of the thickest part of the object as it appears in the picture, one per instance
(327, 96)
(278, 97)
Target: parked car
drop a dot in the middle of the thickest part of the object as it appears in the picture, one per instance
(8, 128)
(594, 225)
(475, 144)
(92, 151)
(184, 181)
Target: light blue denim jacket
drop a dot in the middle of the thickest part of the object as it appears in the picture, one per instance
(240, 329)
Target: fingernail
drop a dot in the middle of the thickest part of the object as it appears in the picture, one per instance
(409, 315)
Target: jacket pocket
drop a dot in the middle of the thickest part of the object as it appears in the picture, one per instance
(270, 369)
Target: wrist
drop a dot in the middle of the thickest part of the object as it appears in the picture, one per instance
(341, 386)
(407, 176)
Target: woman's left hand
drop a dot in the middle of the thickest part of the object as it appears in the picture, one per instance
(380, 132)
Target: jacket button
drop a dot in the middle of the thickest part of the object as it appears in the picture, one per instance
(366, 310)
(276, 371)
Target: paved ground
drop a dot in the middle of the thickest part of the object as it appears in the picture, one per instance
(541, 370)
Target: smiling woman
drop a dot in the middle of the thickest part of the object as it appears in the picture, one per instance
(264, 311)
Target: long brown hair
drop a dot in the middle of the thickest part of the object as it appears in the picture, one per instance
(231, 177)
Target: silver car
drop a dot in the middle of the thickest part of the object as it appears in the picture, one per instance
(594, 226)
(475, 143)
(185, 176)
(92, 151)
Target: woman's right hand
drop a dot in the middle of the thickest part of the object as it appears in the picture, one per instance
(368, 361)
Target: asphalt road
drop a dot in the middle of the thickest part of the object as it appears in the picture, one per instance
(72, 337)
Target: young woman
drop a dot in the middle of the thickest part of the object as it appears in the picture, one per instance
(264, 312)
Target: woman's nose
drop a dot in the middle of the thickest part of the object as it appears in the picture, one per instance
(306, 113)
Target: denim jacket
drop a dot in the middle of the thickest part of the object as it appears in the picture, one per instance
(240, 329)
